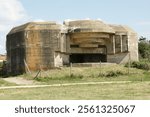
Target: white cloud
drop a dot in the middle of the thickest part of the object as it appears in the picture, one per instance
(11, 10)
(12, 13)
(3, 28)
(145, 34)
(144, 23)
(1, 47)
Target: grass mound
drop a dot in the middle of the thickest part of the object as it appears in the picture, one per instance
(61, 78)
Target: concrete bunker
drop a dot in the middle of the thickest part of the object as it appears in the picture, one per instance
(45, 45)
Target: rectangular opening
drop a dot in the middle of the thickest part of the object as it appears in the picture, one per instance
(86, 58)
(74, 46)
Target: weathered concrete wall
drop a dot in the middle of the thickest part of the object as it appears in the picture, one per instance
(126, 42)
(61, 59)
(48, 44)
(118, 58)
(58, 59)
(16, 52)
(88, 42)
(133, 46)
(32, 46)
(41, 45)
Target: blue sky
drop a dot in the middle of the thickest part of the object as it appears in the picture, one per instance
(134, 13)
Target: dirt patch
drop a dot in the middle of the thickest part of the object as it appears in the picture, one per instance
(20, 81)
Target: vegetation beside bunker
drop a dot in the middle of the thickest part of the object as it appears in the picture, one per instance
(88, 74)
(85, 74)
(142, 64)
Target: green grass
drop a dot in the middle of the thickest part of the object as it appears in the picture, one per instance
(127, 91)
(139, 88)
(88, 74)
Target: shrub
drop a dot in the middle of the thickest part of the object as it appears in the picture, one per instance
(114, 73)
(140, 65)
(73, 76)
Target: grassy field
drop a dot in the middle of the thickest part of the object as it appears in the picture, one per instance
(138, 88)
(127, 91)
(90, 74)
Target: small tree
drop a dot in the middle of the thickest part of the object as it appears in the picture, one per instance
(144, 47)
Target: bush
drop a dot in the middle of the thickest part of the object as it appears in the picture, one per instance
(140, 65)
(75, 76)
(144, 48)
(114, 73)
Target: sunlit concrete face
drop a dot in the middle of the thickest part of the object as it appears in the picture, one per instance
(46, 45)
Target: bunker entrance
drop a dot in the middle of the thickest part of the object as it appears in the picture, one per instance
(85, 58)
